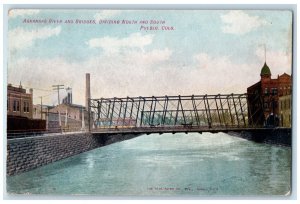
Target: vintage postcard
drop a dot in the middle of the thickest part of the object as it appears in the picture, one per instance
(149, 102)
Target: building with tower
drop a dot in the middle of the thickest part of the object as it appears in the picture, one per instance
(264, 97)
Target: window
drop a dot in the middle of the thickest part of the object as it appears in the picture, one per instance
(16, 106)
(274, 91)
(26, 107)
(266, 91)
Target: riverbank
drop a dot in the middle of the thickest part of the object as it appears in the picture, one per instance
(276, 136)
(25, 154)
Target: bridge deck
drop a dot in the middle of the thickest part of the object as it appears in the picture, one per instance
(160, 130)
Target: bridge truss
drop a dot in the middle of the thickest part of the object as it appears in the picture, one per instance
(194, 111)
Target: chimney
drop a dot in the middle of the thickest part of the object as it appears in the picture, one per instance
(87, 90)
(31, 102)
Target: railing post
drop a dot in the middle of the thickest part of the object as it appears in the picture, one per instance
(130, 116)
(112, 112)
(125, 110)
(137, 112)
(242, 111)
(207, 109)
(165, 110)
(149, 120)
(182, 110)
(218, 110)
(98, 110)
(142, 112)
(176, 116)
(120, 110)
(153, 111)
(229, 108)
(221, 103)
(195, 110)
(236, 113)
(108, 110)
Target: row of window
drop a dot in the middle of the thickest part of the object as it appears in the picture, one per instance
(273, 104)
(286, 104)
(273, 91)
(16, 106)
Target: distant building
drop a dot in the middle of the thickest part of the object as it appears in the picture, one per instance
(263, 97)
(68, 117)
(73, 111)
(19, 103)
(285, 110)
(37, 111)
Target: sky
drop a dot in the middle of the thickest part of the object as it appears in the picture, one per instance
(205, 52)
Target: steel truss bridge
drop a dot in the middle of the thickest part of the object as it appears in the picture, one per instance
(170, 114)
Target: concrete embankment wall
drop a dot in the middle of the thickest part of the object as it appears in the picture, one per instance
(25, 154)
(278, 136)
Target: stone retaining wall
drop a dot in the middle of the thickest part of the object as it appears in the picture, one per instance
(28, 153)
(25, 154)
(277, 136)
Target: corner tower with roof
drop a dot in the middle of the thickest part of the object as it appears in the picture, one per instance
(263, 96)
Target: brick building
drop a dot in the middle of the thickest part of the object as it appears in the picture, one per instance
(285, 110)
(19, 103)
(263, 96)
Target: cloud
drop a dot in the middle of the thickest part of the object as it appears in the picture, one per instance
(239, 22)
(131, 73)
(113, 44)
(148, 73)
(278, 61)
(106, 14)
(221, 74)
(13, 13)
(20, 38)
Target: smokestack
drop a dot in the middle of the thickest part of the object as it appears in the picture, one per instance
(87, 90)
(31, 102)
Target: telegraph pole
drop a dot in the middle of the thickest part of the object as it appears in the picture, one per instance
(57, 88)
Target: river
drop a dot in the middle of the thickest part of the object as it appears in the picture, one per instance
(169, 165)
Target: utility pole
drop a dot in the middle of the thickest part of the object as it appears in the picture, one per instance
(57, 88)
